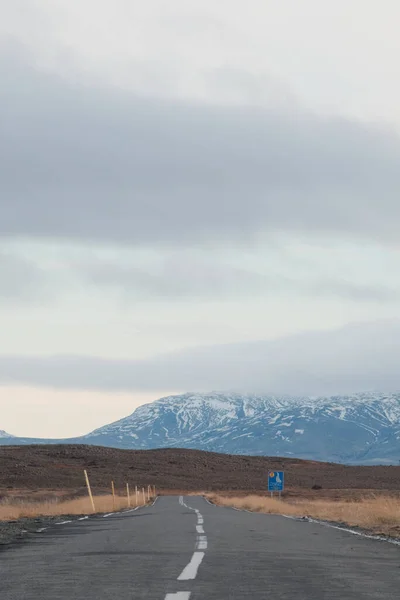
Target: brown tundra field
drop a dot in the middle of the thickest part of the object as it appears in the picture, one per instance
(49, 480)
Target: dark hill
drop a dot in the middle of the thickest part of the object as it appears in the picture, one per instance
(61, 467)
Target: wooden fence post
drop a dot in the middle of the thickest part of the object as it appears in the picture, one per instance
(113, 494)
(89, 490)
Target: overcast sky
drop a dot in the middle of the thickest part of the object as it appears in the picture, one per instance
(195, 195)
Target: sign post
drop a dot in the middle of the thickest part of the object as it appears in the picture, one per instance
(276, 482)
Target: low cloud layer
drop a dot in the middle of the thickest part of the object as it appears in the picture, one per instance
(45, 273)
(95, 164)
(358, 357)
(184, 276)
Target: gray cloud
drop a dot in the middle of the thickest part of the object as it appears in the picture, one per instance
(181, 275)
(350, 290)
(20, 279)
(175, 277)
(87, 163)
(170, 276)
(346, 360)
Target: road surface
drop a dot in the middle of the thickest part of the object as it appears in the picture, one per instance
(185, 548)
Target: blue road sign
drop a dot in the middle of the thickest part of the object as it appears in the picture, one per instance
(276, 481)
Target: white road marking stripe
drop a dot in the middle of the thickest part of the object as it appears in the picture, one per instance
(199, 529)
(41, 530)
(82, 518)
(251, 512)
(352, 531)
(200, 520)
(120, 512)
(201, 542)
(178, 596)
(63, 522)
(190, 571)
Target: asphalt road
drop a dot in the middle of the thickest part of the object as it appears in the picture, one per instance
(172, 552)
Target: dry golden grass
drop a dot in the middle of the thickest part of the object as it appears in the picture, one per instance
(11, 509)
(381, 514)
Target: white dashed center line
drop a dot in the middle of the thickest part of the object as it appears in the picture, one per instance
(190, 571)
(201, 542)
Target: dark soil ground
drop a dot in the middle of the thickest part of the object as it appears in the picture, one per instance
(33, 469)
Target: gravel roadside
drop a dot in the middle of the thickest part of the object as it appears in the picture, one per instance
(12, 531)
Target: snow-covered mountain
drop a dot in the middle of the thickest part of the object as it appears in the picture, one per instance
(359, 428)
(356, 428)
(4, 434)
